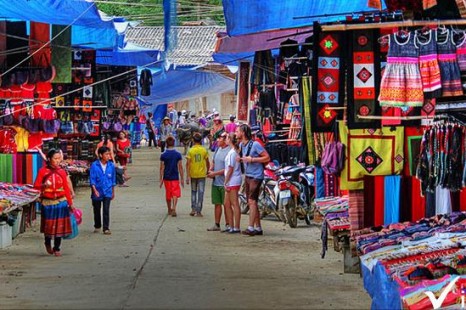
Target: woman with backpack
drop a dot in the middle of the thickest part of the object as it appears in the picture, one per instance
(56, 202)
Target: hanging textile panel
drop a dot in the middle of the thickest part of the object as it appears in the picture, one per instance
(61, 53)
(328, 88)
(363, 80)
(16, 43)
(412, 145)
(39, 36)
(356, 209)
(370, 152)
(306, 101)
(243, 91)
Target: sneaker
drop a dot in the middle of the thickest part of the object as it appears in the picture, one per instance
(173, 213)
(214, 228)
(193, 213)
(227, 229)
(258, 232)
(248, 232)
(108, 232)
(234, 231)
(198, 214)
(97, 230)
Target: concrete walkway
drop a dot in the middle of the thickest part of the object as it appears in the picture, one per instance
(154, 262)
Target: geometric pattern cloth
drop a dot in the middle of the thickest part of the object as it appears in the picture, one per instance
(363, 77)
(329, 84)
(370, 152)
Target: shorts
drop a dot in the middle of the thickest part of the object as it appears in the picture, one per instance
(233, 188)
(218, 194)
(172, 189)
(253, 187)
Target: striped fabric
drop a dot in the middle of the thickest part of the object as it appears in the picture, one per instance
(55, 218)
(356, 209)
(306, 93)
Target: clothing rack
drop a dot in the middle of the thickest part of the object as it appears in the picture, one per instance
(406, 23)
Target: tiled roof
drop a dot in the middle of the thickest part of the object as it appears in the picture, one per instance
(195, 44)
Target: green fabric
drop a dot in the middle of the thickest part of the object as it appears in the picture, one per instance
(306, 93)
(6, 168)
(61, 54)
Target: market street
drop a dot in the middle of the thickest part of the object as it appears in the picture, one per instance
(155, 261)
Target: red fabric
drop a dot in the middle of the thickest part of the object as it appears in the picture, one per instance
(27, 91)
(2, 40)
(379, 200)
(463, 200)
(391, 111)
(39, 36)
(29, 179)
(15, 93)
(418, 203)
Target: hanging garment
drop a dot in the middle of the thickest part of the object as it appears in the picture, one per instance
(289, 48)
(442, 200)
(401, 83)
(306, 103)
(263, 68)
(16, 40)
(461, 58)
(392, 199)
(449, 69)
(356, 209)
(145, 81)
(428, 64)
(61, 56)
(363, 78)
(39, 36)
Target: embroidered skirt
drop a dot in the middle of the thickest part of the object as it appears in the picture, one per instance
(401, 83)
(55, 218)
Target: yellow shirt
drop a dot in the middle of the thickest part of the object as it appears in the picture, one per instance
(198, 166)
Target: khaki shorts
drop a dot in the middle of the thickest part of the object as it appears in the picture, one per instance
(253, 187)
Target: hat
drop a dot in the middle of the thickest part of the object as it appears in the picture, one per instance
(166, 118)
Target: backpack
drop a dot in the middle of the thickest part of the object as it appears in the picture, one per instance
(333, 158)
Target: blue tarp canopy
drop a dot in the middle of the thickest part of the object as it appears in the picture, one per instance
(58, 12)
(251, 16)
(179, 85)
(131, 55)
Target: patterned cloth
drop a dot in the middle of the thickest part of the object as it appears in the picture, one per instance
(461, 58)
(356, 209)
(363, 76)
(401, 81)
(370, 152)
(55, 218)
(330, 80)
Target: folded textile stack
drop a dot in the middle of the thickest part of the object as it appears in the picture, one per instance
(14, 195)
(76, 166)
(331, 204)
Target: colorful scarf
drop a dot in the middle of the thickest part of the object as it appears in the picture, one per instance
(329, 86)
(306, 101)
(363, 78)
(370, 152)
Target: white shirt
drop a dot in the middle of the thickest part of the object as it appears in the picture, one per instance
(230, 161)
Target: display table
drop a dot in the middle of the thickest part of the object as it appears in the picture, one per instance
(78, 170)
(403, 261)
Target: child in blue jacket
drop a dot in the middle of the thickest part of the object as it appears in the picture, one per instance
(103, 181)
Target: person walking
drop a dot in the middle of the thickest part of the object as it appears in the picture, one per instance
(56, 202)
(165, 130)
(102, 180)
(217, 172)
(171, 175)
(233, 179)
(123, 149)
(150, 127)
(252, 156)
(197, 165)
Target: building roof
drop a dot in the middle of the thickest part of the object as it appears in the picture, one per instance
(195, 44)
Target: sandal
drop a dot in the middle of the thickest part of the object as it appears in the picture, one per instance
(48, 248)
(173, 213)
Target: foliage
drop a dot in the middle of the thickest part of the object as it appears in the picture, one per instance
(150, 12)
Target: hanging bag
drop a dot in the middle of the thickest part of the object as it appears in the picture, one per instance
(74, 227)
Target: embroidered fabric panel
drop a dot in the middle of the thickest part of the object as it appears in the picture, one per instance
(370, 152)
(363, 78)
(328, 88)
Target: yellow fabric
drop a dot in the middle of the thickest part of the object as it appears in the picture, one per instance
(387, 144)
(197, 156)
(21, 139)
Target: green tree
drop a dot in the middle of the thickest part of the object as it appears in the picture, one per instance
(150, 12)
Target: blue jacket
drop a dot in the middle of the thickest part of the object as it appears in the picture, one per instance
(103, 182)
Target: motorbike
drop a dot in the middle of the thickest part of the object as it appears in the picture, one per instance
(295, 187)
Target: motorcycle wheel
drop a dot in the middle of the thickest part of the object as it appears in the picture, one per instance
(290, 214)
(244, 207)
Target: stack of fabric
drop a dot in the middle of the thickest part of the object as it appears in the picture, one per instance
(76, 166)
(401, 262)
(15, 195)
